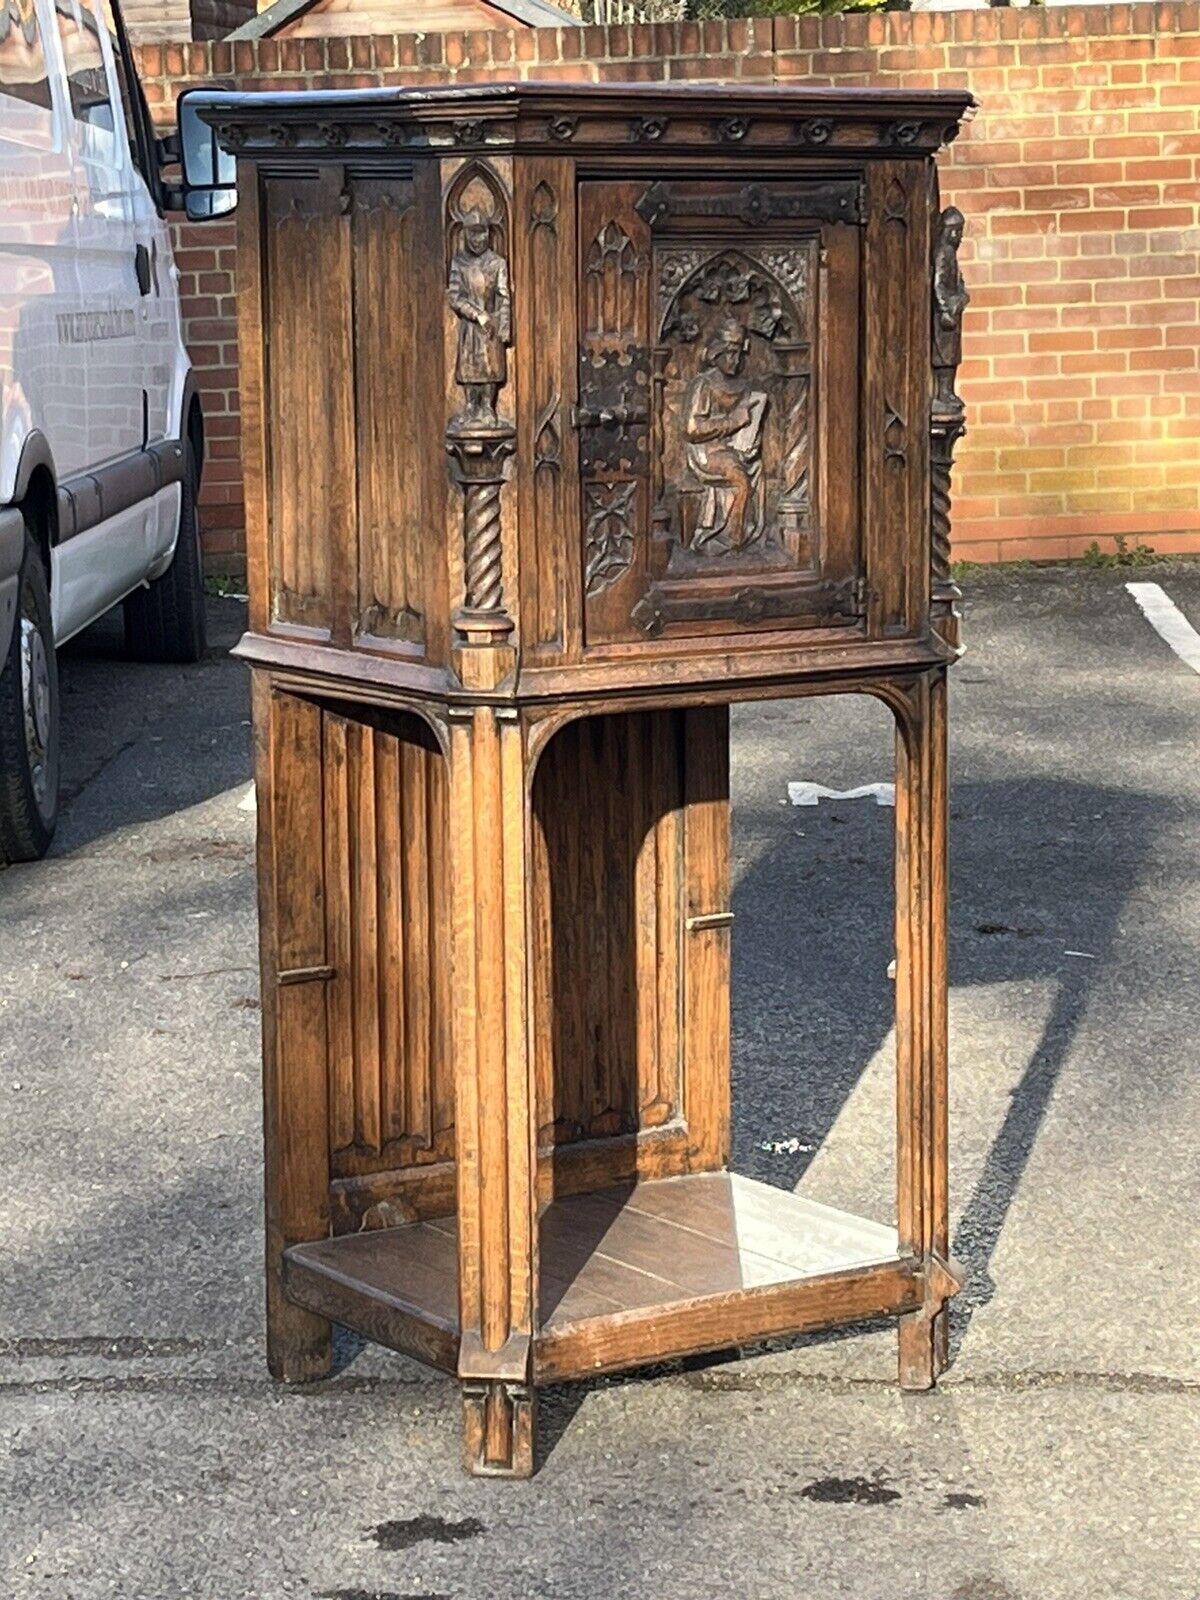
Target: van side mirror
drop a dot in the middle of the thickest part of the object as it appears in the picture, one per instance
(209, 172)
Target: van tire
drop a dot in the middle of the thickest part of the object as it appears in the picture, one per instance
(29, 731)
(164, 621)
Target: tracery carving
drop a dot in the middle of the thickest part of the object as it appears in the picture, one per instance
(894, 430)
(614, 271)
(547, 439)
(543, 208)
(895, 204)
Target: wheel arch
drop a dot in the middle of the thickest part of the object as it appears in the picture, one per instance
(36, 491)
(193, 423)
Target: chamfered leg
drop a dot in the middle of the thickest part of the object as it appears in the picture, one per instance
(489, 829)
(921, 1022)
(287, 744)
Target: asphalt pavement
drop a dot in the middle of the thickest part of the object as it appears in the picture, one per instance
(144, 1452)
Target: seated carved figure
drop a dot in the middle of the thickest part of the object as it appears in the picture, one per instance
(723, 423)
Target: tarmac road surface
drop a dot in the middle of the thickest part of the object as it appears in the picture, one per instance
(145, 1454)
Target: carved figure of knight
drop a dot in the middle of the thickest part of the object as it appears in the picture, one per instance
(950, 300)
(478, 292)
(723, 423)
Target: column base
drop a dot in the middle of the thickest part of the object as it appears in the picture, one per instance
(925, 1334)
(498, 1428)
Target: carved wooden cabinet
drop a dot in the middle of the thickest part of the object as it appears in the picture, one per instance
(573, 415)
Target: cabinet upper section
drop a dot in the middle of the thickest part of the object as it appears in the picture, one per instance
(564, 390)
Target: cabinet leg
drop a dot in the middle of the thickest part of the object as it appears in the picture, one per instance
(924, 1348)
(299, 1343)
(287, 743)
(921, 1022)
(498, 1429)
(494, 1123)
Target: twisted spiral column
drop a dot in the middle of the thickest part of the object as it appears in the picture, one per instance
(940, 513)
(947, 428)
(482, 547)
(479, 454)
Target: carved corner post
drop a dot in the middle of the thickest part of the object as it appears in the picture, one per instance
(947, 422)
(495, 1118)
(479, 439)
(287, 740)
(923, 1215)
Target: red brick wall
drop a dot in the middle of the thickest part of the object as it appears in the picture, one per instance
(1079, 180)
(213, 19)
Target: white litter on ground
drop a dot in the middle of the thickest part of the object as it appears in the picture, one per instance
(1165, 617)
(808, 794)
(249, 801)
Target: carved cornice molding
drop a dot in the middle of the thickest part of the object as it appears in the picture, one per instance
(592, 116)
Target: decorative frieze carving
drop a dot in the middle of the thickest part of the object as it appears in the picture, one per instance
(648, 130)
(814, 130)
(731, 130)
(520, 118)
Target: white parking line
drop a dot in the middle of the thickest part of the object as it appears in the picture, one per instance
(1165, 617)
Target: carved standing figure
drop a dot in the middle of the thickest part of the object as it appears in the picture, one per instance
(723, 424)
(950, 300)
(478, 292)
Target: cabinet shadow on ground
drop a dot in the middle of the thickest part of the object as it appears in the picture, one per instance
(812, 1004)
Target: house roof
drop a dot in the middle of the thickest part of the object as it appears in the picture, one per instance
(533, 13)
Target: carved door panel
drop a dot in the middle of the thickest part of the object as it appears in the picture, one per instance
(718, 406)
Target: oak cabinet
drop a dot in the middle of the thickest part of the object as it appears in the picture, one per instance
(573, 415)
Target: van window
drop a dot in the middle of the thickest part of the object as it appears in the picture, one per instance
(86, 78)
(129, 108)
(23, 76)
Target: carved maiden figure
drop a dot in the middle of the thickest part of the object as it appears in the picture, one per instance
(478, 293)
(723, 423)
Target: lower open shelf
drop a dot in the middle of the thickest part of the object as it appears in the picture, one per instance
(637, 1273)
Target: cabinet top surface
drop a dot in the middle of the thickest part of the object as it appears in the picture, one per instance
(883, 122)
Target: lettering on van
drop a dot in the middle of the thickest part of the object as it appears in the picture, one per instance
(86, 327)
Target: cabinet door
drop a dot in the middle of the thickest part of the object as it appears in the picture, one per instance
(718, 406)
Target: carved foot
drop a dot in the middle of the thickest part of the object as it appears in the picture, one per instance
(498, 1427)
(925, 1334)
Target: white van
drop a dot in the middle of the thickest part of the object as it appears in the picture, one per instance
(101, 434)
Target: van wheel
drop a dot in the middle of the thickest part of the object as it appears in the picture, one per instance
(165, 620)
(29, 720)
